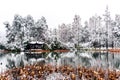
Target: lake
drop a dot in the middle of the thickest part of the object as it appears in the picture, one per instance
(74, 58)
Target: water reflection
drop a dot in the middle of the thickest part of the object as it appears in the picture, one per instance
(95, 59)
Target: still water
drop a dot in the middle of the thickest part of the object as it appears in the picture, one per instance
(88, 59)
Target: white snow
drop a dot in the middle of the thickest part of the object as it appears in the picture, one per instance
(34, 42)
(85, 55)
(55, 76)
(3, 63)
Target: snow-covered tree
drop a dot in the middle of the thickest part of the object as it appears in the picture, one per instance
(28, 27)
(85, 34)
(62, 33)
(100, 31)
(116, 31)
(95, 27)
(108, 27)
(15, 32)
(49, 37)
(65, 33)
(54, 34)
(9, 34)
(69, 33)
(18, 26)
(76, 28)
(39, 31)
(25, 29)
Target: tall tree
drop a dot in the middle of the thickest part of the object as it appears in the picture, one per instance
(85, 34)
(76, 28)
(95, 26)
(108, 29)
(63, 33)
(18, 26)
(28, 27)
(25, 29)
(9, 34)
(15, 32)
(40, 29)
(116, 29)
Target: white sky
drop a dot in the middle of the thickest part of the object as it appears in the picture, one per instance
(55, 11)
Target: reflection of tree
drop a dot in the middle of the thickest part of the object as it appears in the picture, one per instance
(86, 61)
(22, 63)
(117, 64)
(56, 55)
(95, 55)
(11, 64)
(44, 55)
